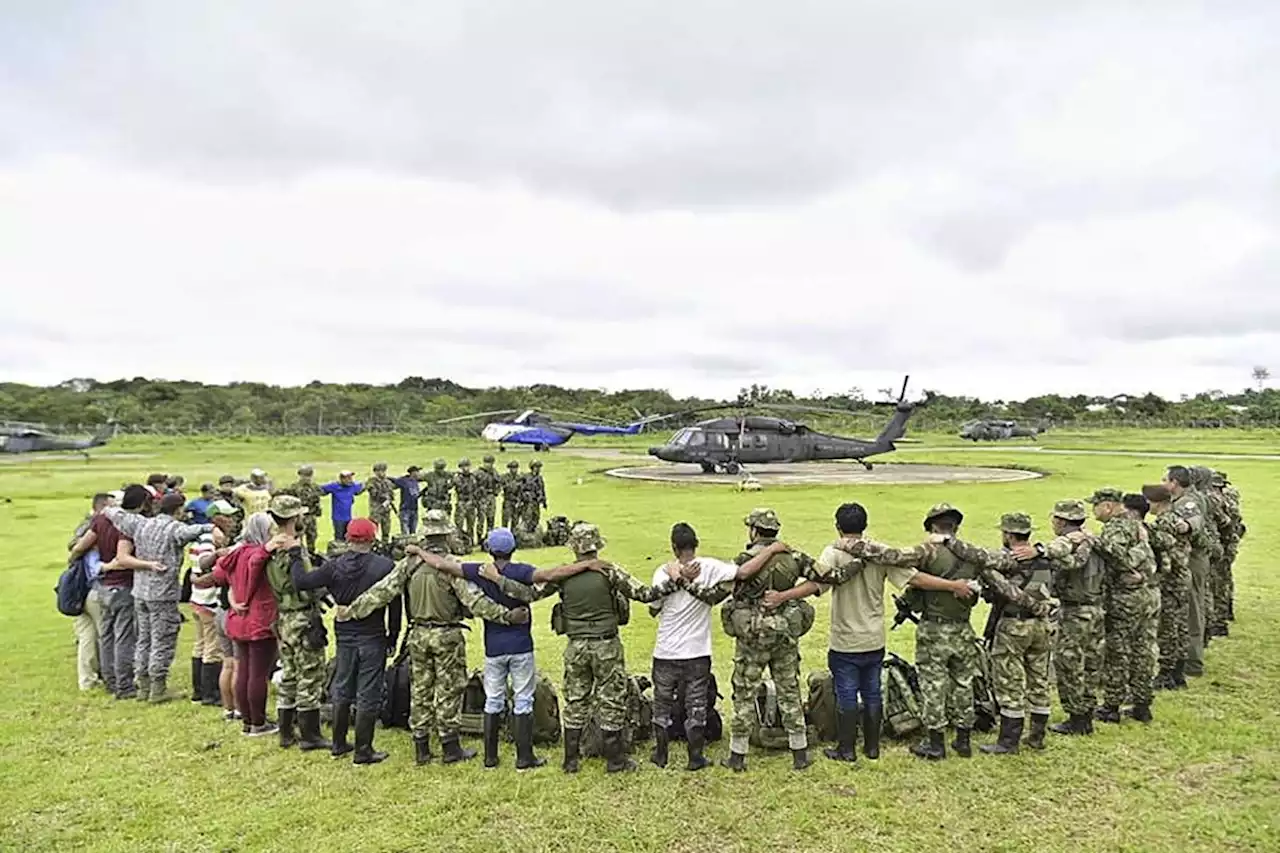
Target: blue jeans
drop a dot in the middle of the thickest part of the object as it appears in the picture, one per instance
(854, 673)
(340, 529)
(358, 676)
(521, 670)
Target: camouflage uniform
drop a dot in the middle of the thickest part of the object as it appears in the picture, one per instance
(1171, 542)
(306, 490)
(510, 487)
(1231, 498)
(1220, 569)
(488, 485)
(466, 487)
(381, 493)
(1190, 507)
(302, 668)
(438, 605)
(533, 497)
(437, 489)
(227, 491)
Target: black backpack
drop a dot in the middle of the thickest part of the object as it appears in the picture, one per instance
(395, 694)
(72, 589)
(715, 724)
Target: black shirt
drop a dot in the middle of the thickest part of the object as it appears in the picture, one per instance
(348, 576)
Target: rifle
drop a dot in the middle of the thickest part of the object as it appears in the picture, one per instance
(993, 619)
(904, 613)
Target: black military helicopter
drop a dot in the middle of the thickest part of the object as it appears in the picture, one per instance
(728, 443)
(34, 438)
(997, 430)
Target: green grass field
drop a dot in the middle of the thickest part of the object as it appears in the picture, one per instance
(82, 771)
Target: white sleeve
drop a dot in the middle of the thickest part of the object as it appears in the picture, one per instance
(715, 572)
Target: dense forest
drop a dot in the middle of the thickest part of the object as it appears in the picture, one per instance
(416, 405)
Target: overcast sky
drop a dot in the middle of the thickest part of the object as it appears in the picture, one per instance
(1000, 198)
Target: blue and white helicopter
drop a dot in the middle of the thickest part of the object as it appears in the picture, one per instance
(542, 432)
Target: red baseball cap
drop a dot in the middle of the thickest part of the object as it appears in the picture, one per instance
(361, 530)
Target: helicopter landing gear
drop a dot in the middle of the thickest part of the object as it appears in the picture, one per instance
(502, 448)
(541, 448)
(865, 464)
(708, 467)
(732, 468)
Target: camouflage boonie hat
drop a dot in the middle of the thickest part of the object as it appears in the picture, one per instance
(537, 463)
(306, 471)
(513, 464)
(1070, 510)
(1016, 522)
(464, 462)
(488, 459)
(380, 466)
(335, 548)
(585, 538)
(1107, 493)
(436, 523)
(939, 510)
(286, 506)
(439, 463)
(763, 518)
(1218, 478)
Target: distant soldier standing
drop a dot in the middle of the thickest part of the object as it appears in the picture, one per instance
(510, 484)
(381, 499)
(533, 496)
(465, 488)
(437, 491)
(1231, 497)
(1171, 541)
(306, 490)
(1220, 569)
(227, 491)
(489, 484)
(1189, 505)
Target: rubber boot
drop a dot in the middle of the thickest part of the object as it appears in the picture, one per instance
(365, 721)
(1231, 610)
(1010, 734)
(491, 722)
(661, 746)
(1035, 740)
(846, 722)
(872, 717)
(1108, 714)
(800, 759)
(197, 680)
(341, 723)
(697, 742)
(451, 751)
(572, 739)
(737, 762)
(1179, 675)
(1142, 713)
(1163, 680)
(616, 759)
(422, 750)
(159, 692)
(525, 757)
(961, 743)
(287, 718)
(210, 692)
(143, 683)
(934, 749)
(310, 735)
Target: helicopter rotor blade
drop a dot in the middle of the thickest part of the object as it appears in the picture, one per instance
(903, 394)
(479, 415)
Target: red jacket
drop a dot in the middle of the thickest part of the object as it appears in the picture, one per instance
(244, 570)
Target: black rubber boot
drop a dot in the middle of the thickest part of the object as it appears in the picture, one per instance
(1179, 675)
(661, 744)
(572, 739)
(341, 723)
(287, 718)
(365, 722)
(1108, 714)
(491, 723)
(737, 762)
(1035, 740)
(197, 680)
(1010, 734)
(310, 736)
(800, 759)
(525, 757)
(697, 742)
(961, 743)
(210, 692)
(451, 751)
(422, 750)
(616, 759)
(1077, 724)
(1142, 713)
(846, 723)
(872, 717)
(934, 748)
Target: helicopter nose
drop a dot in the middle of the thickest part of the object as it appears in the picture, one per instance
(655, 451)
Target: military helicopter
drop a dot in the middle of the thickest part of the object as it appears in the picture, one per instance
(728, 443)
(542, 432)
(33, 438)
(997, 430)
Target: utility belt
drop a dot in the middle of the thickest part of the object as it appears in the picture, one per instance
(1064, 603)
(943, 620)
(432, 623)
(1019, 614)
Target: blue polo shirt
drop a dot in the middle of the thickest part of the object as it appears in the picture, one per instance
(199, 509)
(499, 639)
(343, 498)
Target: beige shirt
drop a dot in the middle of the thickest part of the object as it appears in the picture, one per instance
(857, 606)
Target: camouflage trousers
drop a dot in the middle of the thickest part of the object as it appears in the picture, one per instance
(438, 678)
(1020, 666)
(1175, 605)
(781, 658)
(1131, 646)
(946, 660)
(157, 623)
(595, 670)
(486, 510)
(1220, 585)
(1197, 615)
(308, 532)
(1079, 638)
(532, 517)
(381, 517)
(464, 518)
(510, 512)
(302, 674)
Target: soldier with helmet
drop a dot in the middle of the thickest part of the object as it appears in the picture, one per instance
(510, 485)
(1171, 542)
(437, 488)
(381, 499)
(533, 497)
(306, 490)
(488, 485)
(1221, 484)
(465, 486)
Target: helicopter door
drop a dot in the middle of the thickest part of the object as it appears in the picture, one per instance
(755, 447)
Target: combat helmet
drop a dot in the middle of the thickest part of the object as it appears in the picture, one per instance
(436, 523)
(585, 539)
(488, 459)
(439, 464)
(380, 466)
(306, 471)
(763, 518)
(943, 509)
(1016, 522)
(535, 464)
(464, 462)
(513, 465)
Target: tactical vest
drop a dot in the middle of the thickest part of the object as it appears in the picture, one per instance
(431, 598)
(1082, 586)
(288, 597)
(1037, 575)
(943, 606)
(779, 574)
(587, 606)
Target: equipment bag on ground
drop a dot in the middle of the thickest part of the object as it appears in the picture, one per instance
(901, 687)
(395, 693)
(820, 708)
(546, 712)
(766, 729)
(472, 720)
(638, 725)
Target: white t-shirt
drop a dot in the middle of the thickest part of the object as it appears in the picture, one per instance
(207, 596)
(684, 624)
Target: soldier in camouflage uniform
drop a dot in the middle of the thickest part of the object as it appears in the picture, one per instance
(488, 485)
(533, 497)
(510, 487)
(437, 489)
(1228, 537)
(1231, 545)
(465, 487)
(1171, 542)
(382, 504)
(227, 491)
(1133, 607)
(306, 490)
(438, 604)
(302, 666)
(1189, 506)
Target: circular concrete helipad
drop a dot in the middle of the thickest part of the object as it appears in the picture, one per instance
(829, 473)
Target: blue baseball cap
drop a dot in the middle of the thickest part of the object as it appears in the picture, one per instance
(500, 541)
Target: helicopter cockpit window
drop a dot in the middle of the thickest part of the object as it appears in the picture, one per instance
(681, 438)
(697, 438)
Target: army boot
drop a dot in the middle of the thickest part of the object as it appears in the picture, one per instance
(422, 750)
(144, 688)
(365, 722)
(616, 758)
(159, 692)
(661, 743)
(341, 723)
(697, 742)
(1179, 675)
(210, 692)
(800, 759)
(1010, 734)
(1108, 714)
(1142, 713)
(872, 717)
(309, 728)
(287, 718)
(197, 680)
(1035, 740)
(934, 748)
(1163, 680)
(961, 743)
(451, 751)
(491, 740)
(845, 725)
(572, 739)
(525, 758)
(737, 762)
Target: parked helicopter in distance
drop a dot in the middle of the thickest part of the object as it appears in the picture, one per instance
(997, 430)
(728, 443)
(542, 432)
(32, 438)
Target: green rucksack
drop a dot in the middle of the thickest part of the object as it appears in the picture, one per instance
(546, 711)
(820, 709)
(326, 706)
(901, 697)
(638, 725)
(472, 719)
(557, 534)
(766, 729)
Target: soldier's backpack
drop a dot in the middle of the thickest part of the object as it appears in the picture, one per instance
(460, 543)
(557, 532)
(985, 708)
(766, 729)
(472, 720)
(901, 698)
(714, 729)
(638, 725)
(820, 708)
(73, 589)
(528, 538)
(546, 711)
(396, 693)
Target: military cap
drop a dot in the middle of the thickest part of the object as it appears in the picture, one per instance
(763, 518)
(513, 464)
(585, 538)
(1016, 522)
(1157, 494)
(1218, 478)
(286, 506)
(439, 463)
(380, 466)
(1070, 510)
(1105, 494)
(221, 507)
(226, 480)
(488, 459)
(306, 471)
(939, 510)
(537, 463)
(464, 462)
(436, 523)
